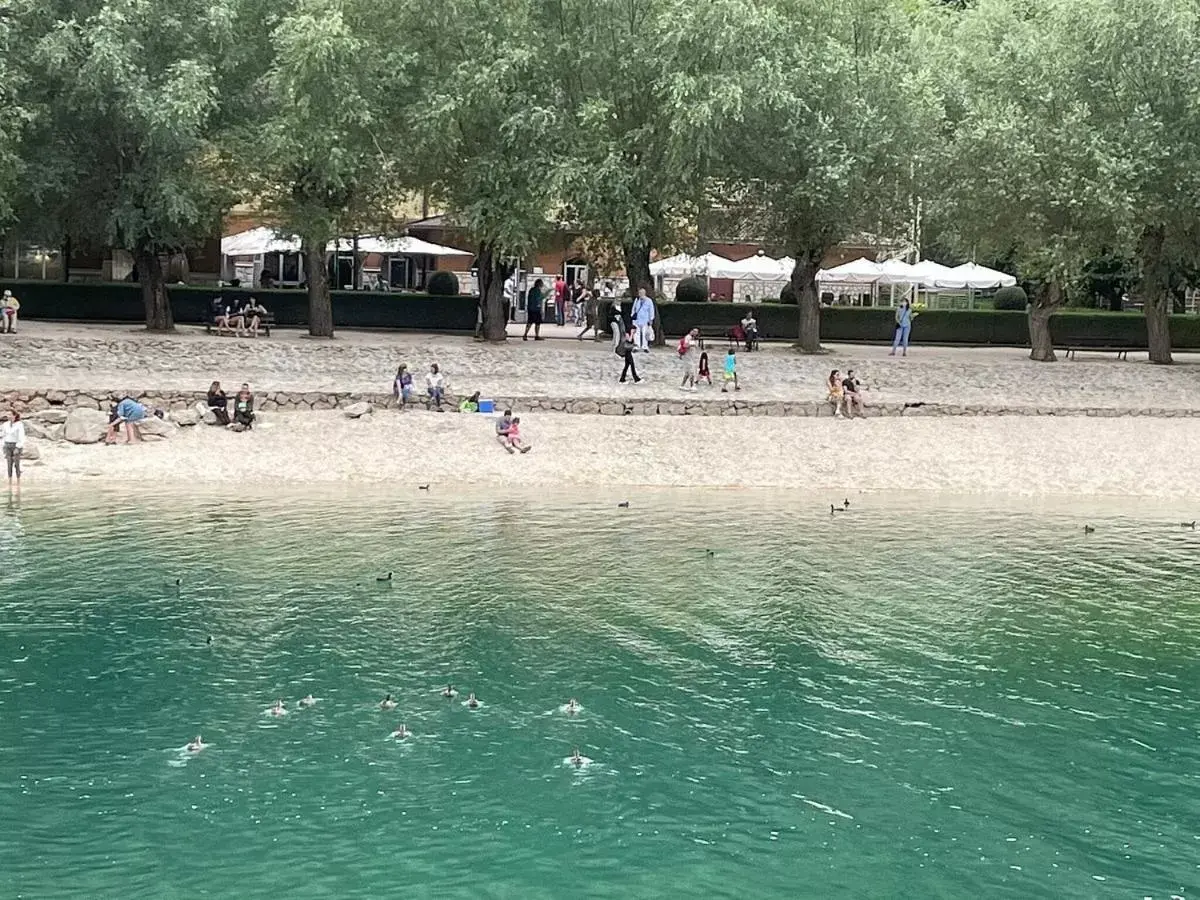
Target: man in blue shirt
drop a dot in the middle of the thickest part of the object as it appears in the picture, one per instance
(643, 320)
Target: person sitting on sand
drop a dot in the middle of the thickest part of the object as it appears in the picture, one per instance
(503, 424)
(218, 403)
(128, 414)
(470, 405)
(513, 437)
(833, 384)
(435, 386)
(243, 409)
(402, 386)
(853, 392)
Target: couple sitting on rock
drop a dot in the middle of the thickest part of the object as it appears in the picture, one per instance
(243, 407)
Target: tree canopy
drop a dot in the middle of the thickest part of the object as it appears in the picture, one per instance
(1050, 134)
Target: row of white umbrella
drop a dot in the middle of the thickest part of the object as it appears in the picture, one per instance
(926, 274)
(257, 241)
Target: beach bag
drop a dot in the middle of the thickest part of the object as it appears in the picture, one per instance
(650, 334)
(682, 349)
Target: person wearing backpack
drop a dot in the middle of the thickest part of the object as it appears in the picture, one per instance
(625, 347)
(687, 358)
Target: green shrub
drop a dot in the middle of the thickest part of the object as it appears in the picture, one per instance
(692, 289)
(442, 284)
(788, 295)
(1011, 298)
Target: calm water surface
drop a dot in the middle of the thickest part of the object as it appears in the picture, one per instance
(940, 703)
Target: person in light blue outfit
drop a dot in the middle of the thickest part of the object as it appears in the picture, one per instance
(643, 320)
(129, 413)
(904, 317)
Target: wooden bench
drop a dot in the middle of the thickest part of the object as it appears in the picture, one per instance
(1122, 352)
(715, 333)
(265, 322)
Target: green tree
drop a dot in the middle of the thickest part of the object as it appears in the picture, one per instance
(487, 131)
(824, 146)
(646, 84)
(319, 144)
(122, 95)
(1021, 173)
(12, 113)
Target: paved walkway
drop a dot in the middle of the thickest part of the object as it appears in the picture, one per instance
(63, 356)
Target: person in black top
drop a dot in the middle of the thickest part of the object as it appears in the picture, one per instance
(218, 403)
(534, 302)
(850, 387)
(243, 408)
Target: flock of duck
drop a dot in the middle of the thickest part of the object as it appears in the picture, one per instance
(387, 704)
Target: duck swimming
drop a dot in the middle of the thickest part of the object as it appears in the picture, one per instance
(1088, 529)
(387, 702)
(472, 703)
(401, 732)
(196, 746)
(310, 700)
(387, 577)
(572, 707)
(278, 709)
(449, 693)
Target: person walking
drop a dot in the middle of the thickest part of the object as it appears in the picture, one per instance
(624, 349)
(11, 307)
(534, 301)
(904, 317)
(687, 358)
(643, 319)
(587, 299)
(12, 434)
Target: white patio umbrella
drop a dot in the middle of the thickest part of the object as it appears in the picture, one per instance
(975, 277)
(399, 246)
(681, 265)
(857, 271)
(258, 240)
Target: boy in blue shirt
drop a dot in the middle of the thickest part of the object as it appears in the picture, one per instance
(730, 371)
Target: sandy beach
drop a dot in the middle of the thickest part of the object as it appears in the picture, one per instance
(1131, 454)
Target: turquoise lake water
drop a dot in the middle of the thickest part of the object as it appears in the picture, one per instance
(954, 702)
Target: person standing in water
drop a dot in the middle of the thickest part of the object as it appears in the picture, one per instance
(12, 434)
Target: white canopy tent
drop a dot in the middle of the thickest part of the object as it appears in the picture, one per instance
(402, 246)
(257, 241)
(760, 268)
(973, 276)
(858, 271)
(681, 265)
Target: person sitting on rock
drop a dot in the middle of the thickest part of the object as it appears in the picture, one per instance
(435, 385)
(218, 403)
(243, 410)
(470, 404)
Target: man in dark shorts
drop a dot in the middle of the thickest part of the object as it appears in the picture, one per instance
(535, 300)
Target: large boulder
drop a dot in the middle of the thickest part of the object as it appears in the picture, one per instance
(31, 451)
(204, 413)
(156, 427)
(85, 426)
(55, 415)
(357, 410)
(185, 418)
(36, 429)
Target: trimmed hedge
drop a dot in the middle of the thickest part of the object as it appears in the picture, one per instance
(851, 324)
(122, 302)
(442, 284)
(692, 289)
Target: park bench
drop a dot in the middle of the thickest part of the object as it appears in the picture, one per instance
(265, 323)
(1099, 346)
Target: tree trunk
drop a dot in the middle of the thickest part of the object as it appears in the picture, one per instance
(154, 290)
(491, 293)
(637, 269)
(804, 283)
(1046, 302)
(320, 304)
(1156, 294)
(66, 258)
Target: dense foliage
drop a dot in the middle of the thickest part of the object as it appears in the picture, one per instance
(1061, 135)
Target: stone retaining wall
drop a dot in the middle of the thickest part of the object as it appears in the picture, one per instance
(690, 405)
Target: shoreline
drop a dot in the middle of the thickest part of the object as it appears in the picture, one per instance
(1026, 457)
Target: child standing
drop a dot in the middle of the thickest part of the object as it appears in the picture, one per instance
(730, 371)
(703, 374)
